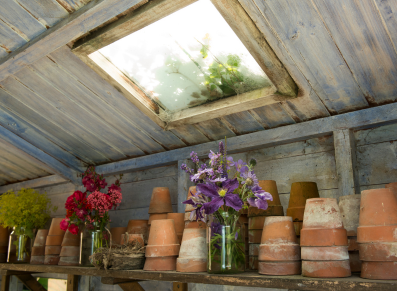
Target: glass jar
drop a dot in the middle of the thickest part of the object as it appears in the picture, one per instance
(90, 241)
(226, 245)
(20, 246)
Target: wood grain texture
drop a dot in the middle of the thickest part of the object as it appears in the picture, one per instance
(72, 283)
(39, 182)
(303, 33)
(345, 158)
(388, 11)
(358, 31)
(376, 135)
(272, 116)
(9, 39)
(30, 282)
(241, 123)
(183, 184)
(133, 286)
(214, 129)
(189, 134)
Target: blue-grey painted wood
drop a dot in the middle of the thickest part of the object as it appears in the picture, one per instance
(74, 5)
(388, 11)
(47, 12)
(36, 117)
(71, 63)
(39, 182)
(9, 39)
(82, 127)
(359, 119)
(214, 129)
(20, 20)
(3, 52)
(37, 138)
(358, 31)
(30, 149)
(272, 116)
(302, 32)
(189, 134)
(241, 123)
(183, 184)
(10, 166)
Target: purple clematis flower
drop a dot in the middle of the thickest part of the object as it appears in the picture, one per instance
(197, 200)
(249, 177)
(260, 199)
(221, 195)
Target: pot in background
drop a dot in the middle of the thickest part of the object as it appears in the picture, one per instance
(300, 192)
(160, 201)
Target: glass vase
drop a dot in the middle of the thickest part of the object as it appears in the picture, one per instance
(20, 246)
(226, 245)
(90, 241)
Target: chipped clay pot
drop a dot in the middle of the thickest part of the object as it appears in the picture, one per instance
(160, 201)
(116, 233)
(279, 252)
(338, 253)
(193, 252)
(378, 252)
(326, 269)
(179, 220)
(163, 241)
(41, 238)
(55, 227)
(275, 208)
(300, 192)
(139, 226)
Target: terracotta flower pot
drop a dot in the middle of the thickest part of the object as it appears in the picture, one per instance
(392, 186)
(55, 227)
(379, 270)
(278, 230)
(53, 250)
(179, 223)
(51, 259)
(68, 261)
(156, 216)
(350, 210)
(300, 192)
(138, 226)
(38, 251)
(116, 234)
(70, 252)
(274, 207)
(193, 252)
(160, 264)
(378, 252)
(326, 269)
(37, 260)
(195, 224)
(136, 238)
(355, 262)
(161, 201)
(70, 239)
(41, 237)
(280, 269)
(163, 241)
(339, 253)
(54, 240)
(192, 190)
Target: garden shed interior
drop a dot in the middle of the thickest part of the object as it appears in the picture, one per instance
(312, 97)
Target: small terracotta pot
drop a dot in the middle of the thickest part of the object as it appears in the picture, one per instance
(160, 264)
(274, 207)
(279, 268)
(193, 251)
(379, 252)
(161, 201)
(326, 269)
(300, 192)
(136, 238)
(178, 220)
(138, 226)
(38, 251)
(70, 252)
(156, 216)
(278, 229)
(256, 222)
(379, 270)
(55, 227)
(192, 190)
(350, 210)
(324, 253)
(355, 262)
(195, 224)
(41, 237)
(37, 260)
(116, 234)
(322, 213)
(53, 250)
(279, 252)
(54, 240)
(69, 261)
(162, 238)
(51, 259)
(367, 234)
(318, 237)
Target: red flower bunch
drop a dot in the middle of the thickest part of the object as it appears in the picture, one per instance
(83, 210)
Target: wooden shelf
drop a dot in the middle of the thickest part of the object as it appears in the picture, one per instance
(248, 279)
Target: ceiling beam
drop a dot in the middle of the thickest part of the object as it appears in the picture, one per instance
(35, 183)
(76, 25)
(366, 118)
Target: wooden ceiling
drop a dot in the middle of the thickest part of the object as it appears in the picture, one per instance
(341, 53)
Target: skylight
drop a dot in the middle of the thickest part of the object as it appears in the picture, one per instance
(187, 59)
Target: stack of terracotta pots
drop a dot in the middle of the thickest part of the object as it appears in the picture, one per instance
(179, 220)
(70, 252)
(38, 250)
(300, 192)
(188, 210)
(350, 210)
(193, 252)
(324, 247)
(53, 243)
(4, 239)
(116, 233)
(163, 246)
(256, 220)
(139, 226)
(160, 204)
(279, 252)
(377, 234)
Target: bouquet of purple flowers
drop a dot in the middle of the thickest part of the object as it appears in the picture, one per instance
(219, 197)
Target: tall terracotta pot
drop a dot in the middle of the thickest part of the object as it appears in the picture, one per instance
(193, 252)
(160, 201)
(179, 220)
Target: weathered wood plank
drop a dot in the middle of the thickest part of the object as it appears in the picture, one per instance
(272, 116)
(5, 283)
(214, 129)
(189, 134)
(183, 184)
(72, 283)
(30, 282)
(47, 12)
(301, 30)
(9, 39)
(321, 127)
(358, 31)
(133, 286)
(84, 74)
(345, 157)
(66, 112)
(82, 21)
(388, 11)
(247, 279)
(35, 183)
(241, 123)
(12, 167)
(73, 5)
(376, 135)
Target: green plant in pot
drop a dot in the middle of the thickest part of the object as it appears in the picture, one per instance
(24, 211)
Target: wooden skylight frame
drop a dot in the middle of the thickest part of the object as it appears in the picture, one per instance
(283, 88)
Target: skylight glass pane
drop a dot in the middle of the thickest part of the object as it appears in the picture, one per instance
(187, 58)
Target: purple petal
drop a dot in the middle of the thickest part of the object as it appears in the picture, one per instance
(264, 196)
(213, 205)
(244, 172)
(218, 180)
(230, 185)
(190, 201)
(233, 201)
(261, 204)
(251, 201)
(209, 190)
